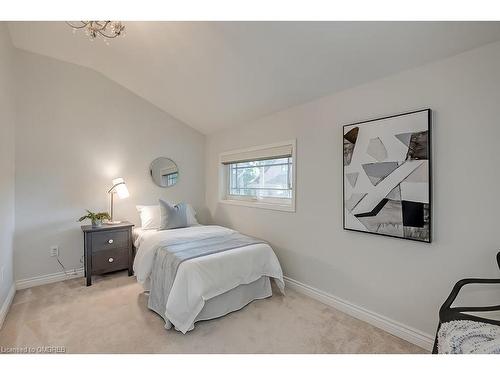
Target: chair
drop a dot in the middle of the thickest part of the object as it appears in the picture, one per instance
(448, 313)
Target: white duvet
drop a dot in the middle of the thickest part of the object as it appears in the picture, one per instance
(203, 278)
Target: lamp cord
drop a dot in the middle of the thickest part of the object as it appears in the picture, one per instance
(63, 268)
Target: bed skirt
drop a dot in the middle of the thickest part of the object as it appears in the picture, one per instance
(232, 300)
(235, 299)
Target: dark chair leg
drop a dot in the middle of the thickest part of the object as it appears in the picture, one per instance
(435, 346)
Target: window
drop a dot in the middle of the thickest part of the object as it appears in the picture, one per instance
(169, 179)
(268, 178)
(260, 177)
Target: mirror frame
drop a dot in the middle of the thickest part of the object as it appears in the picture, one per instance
(151, 172)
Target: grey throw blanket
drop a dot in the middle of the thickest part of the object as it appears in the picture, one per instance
(168, 259)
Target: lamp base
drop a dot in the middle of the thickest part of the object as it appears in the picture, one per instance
(113, 222)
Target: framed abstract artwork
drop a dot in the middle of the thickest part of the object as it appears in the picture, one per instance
(387, 176)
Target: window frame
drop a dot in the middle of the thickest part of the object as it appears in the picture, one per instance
(279, 204)
(170, 179)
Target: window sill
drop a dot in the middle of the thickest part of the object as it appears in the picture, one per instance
(261, 205)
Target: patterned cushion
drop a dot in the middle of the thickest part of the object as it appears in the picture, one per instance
(468, 337)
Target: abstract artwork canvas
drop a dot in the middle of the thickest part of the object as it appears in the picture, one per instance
(387, 176)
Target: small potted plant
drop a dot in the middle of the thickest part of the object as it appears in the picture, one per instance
(96, 218)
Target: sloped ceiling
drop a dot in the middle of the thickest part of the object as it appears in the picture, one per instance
(215, 75)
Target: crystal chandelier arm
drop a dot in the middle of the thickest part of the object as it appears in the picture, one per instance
(108, 36)
(116, 30)
(100, 26)
(82, 25)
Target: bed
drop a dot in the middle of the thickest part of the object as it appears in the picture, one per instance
(208, 286)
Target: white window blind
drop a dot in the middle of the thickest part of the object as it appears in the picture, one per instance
(261, 154)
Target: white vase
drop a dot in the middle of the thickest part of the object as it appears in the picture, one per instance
(96, 223)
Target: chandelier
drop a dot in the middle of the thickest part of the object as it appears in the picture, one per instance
(93, 29)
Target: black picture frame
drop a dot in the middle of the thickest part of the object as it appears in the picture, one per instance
(430, 169)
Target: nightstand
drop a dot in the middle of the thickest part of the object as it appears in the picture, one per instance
(108, 248)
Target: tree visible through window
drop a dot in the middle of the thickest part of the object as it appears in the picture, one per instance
(269, 178)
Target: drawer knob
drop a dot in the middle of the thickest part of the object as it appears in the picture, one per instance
(110, 241)
(110, 260)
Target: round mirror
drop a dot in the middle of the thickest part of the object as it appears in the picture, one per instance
(164, 172)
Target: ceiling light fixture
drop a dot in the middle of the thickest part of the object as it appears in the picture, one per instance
(93, 29)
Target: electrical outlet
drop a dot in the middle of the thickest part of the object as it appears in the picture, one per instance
(54, 251)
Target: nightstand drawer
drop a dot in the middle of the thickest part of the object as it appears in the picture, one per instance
(109, 260)
(109, 240)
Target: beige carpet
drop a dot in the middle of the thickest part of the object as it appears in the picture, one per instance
(111, 317)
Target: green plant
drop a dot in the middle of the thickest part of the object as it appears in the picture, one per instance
(95, 216)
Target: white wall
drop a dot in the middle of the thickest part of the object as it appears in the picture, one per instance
(76, 131)
(7, 131)
(402, 280)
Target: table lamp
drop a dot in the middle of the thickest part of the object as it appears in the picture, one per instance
(119, 188)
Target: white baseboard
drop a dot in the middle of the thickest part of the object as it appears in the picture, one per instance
(48, 279)
(6, 305)
(415, 336)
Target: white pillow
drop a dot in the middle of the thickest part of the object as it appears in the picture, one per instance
(150, 216)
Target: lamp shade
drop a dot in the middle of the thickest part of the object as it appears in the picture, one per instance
(120, 188)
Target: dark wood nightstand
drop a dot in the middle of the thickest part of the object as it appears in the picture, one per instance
(108, 248)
